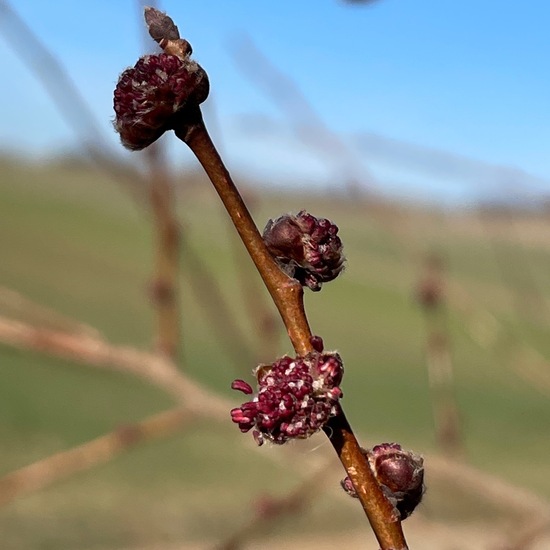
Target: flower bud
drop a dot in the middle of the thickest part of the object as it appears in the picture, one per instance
(307, 248)
(148, 96)
(400, 474)
(295, 399)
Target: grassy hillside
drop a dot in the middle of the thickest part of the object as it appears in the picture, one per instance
(76, 242)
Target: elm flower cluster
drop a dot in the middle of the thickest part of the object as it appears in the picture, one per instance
(400, 474)
(296, 397)
(149, 95)
(307, 248)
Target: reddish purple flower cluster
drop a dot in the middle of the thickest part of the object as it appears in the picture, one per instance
(296, 397)
(306, 247)
(400, 474)
(148, 95)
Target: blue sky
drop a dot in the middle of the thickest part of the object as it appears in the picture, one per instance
(427, 98)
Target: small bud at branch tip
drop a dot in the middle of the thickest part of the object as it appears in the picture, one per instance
(160, 26)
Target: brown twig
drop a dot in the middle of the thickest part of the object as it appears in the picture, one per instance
(488, 486)
(215, 307)
(25, 308)
(70, 103)
(431, 297)
(198, 400)
(265, 321)
(89, 350)
(98, 451)
(524, 537)
(305, 122)
(270, 508)
(164, 286)
(287, 295)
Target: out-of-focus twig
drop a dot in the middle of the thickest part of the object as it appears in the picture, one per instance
(527, 296)
(67, 98)
(95, 452)
(24, 307)
(89, 350)
(198, 400)
(306, 124)
(430, 294)
(524, 537)
(214, 305)
(164, 286)
(489, 487)
(492, 335)
(270, 508)
(264, 320)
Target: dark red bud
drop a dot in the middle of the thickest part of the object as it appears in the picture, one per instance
(400, 474)
(307, 248)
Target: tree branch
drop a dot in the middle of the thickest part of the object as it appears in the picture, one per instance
(98, 451)
(287, 295)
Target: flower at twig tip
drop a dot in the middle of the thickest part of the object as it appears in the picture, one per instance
(295, 398)
(150, 96)
(307, 248)
(400, 474)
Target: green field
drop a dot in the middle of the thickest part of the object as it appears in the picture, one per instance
(74, 241)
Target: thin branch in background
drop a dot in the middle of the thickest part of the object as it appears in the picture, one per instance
(198, 400)
(93, 453)
(264, 321)
(164, 288)
(96, 351)
(269, 509)
(305, 122)
(214, 306)
(308, 126)
(74, 109)
(527, 295)
(25, 308)
(524, 537)
(501, 341)
(430, 294)
(489, 488)
(70, 103)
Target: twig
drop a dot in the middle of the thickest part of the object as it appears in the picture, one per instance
(272, 508)
(525, 536)
(265, 321)
(489, 487)
(98, 451)
(70, 103)
(431, 297)
(158, 370)
(214, 306)
(164, 287)
(198, 400)
(287, 295)
(305, 122)
(22, 306)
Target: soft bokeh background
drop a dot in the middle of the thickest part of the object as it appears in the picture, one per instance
(420, 128)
